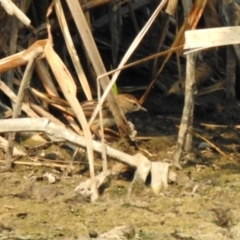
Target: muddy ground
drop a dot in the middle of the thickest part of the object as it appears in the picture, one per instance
(202, 205)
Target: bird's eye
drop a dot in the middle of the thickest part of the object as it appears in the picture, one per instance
(134, 104)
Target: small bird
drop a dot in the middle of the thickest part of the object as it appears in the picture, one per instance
(127, 104)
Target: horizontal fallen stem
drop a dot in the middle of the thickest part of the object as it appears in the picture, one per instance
(60, 134)
(40, 164)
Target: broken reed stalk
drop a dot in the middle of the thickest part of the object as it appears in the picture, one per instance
(18, 106)
(68, 87)
(104, 154)
(71, 49)
(91, 48)
(61, 134)
(184, 141)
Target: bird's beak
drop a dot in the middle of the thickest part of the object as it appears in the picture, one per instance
(143, 109)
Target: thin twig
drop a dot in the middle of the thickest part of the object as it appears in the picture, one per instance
(39, 164)
(214, 146)
(18, 106)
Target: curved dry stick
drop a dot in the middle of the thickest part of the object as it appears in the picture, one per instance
(61, 134)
